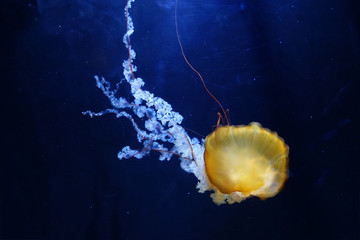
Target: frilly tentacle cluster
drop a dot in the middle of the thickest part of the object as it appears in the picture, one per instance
(161, 123)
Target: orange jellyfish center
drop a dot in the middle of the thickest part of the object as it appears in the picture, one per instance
(247, 159)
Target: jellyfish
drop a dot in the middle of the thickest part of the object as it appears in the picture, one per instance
(233, 162)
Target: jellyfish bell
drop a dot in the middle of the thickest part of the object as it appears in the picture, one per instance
(248, 160)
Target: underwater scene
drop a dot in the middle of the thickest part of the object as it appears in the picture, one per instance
(179, 119)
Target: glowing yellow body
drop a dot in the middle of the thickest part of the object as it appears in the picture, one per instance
(247, 159)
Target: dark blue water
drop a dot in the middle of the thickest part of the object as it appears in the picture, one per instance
(293, 66)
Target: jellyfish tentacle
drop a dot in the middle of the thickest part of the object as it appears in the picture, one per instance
(192, 152)
(192, 68)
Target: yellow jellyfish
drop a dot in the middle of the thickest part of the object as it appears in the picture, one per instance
(249, 159)
(236, 161)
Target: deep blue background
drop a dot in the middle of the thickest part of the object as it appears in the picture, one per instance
(293, 66)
